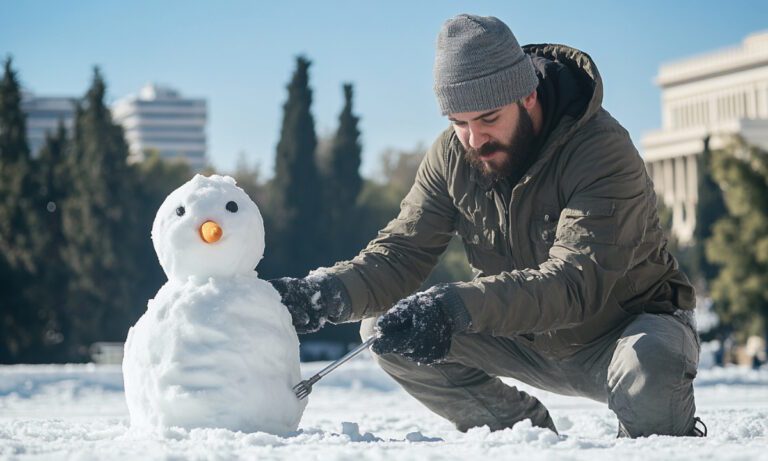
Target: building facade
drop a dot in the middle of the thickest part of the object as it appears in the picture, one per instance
(44, 113)
(159, 119)
(715, 96)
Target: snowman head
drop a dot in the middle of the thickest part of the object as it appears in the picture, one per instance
(208, 227)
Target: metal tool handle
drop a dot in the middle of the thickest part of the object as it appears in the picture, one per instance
(303, 389)
(349, 355)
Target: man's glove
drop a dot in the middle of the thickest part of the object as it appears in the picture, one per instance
(313, 300)
(420, 327)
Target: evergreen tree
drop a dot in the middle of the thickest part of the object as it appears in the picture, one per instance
(100, 228)
(20, 326)
(296, 186)
(16, 185)
(343, 184)
(739, 243)
(52, 179)
(709, 208)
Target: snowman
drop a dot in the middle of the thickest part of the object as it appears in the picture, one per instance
(216, 347)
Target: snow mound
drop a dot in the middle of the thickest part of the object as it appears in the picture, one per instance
(79, 412)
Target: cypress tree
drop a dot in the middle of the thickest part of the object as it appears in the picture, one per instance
(100, 228)
(20, 326)
(343, 183)
(296, 186)
(16, 185)
(53, 183)
(52, 180)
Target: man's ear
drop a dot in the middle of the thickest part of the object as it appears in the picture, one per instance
(530, 101)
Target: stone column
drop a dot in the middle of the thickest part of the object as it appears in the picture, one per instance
(680, 197)
(693, 191)
(668, 182)
(762, 101)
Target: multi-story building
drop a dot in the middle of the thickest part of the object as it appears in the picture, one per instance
(44, 113)
(159, 119)
(715, 96)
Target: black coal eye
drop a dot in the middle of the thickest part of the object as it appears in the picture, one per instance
(232, 206)
(180, 211)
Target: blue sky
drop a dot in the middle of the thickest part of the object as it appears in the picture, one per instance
(239, 55)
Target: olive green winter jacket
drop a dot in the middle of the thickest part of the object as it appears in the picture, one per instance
(573, 253)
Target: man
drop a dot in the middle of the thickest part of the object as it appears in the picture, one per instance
(575, 291)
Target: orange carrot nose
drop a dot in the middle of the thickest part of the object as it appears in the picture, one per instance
(210, 232)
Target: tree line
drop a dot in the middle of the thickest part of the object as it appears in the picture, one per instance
(77, 264)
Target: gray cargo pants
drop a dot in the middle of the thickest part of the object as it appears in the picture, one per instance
(643, 371)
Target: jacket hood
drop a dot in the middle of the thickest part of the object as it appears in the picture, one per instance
(582, 67)
(583, 70)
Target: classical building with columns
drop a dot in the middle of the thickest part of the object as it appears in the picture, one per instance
(714, 96)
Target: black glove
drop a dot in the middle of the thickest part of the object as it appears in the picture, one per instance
(420, 327)
(313, 300)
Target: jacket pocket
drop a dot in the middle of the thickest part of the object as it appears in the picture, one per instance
(542, 232)
(588, 221)
(483, 247)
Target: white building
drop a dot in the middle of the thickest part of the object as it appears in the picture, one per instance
(716, 95)
(43, 116)
(159, 119)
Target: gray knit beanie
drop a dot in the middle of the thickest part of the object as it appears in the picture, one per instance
(480, 66)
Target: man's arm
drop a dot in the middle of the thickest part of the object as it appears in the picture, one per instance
(597, 234)
(396, 262)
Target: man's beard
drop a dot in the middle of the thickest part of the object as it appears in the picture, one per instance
(517, 152)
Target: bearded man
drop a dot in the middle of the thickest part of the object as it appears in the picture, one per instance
(575, 291)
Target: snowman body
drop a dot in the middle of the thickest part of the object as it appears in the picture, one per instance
(216, 347)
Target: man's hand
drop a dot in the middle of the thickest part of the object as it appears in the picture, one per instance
(419, 327)
(313, 300)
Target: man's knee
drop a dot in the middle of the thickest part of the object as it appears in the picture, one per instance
(367, 328)
(650, 378)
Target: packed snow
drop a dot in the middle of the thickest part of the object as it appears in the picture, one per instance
(358, 412)
(215, 348)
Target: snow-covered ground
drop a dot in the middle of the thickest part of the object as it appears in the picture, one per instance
(357, 412)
